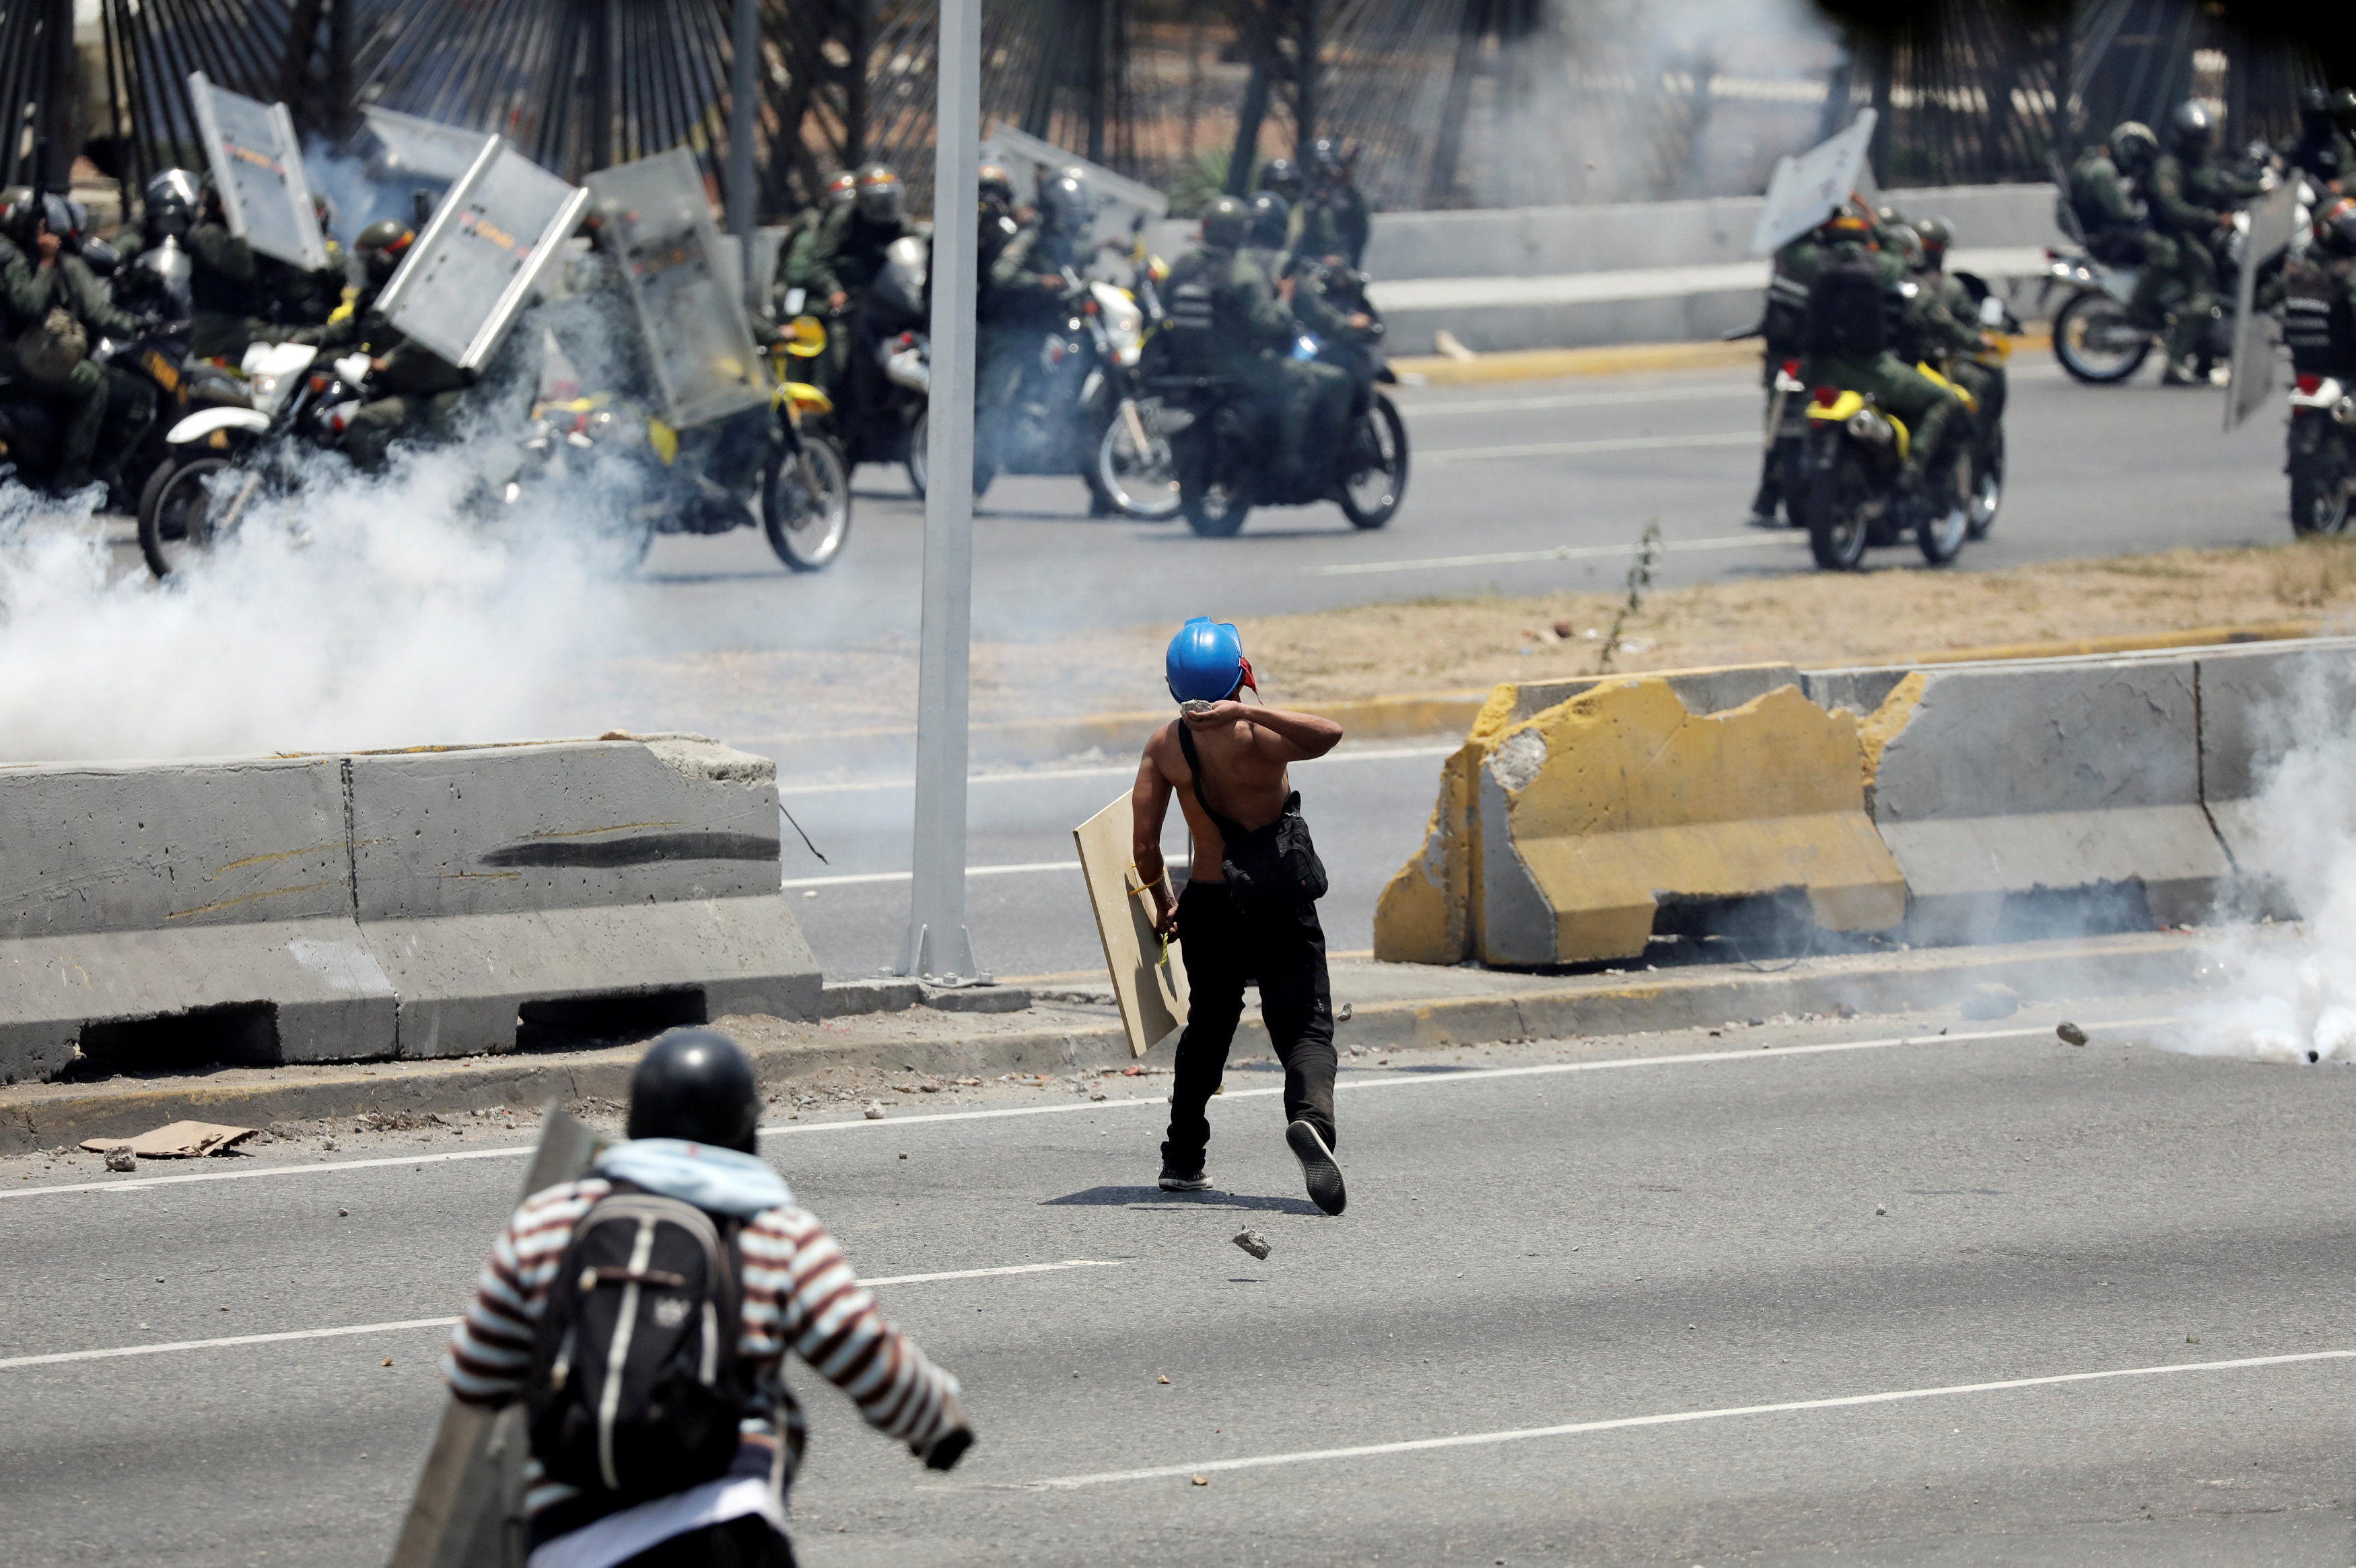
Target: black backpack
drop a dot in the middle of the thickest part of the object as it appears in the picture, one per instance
(635, 1387)
(1846, 317)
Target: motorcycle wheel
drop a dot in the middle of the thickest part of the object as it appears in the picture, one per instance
(1214, 496)
(2318, 496)
(807, 531)
(919, 463)
(173, 514)
(1377, 478)
(1139, 485)
(2095, 342)
(1835, 510)
(1946, 520)
(1987, 486)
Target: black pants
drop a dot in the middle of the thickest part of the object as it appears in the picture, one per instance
(1223, 946)
(744, 1542)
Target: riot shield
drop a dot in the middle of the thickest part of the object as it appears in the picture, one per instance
(469, 1509)
(654, 214)
(424, 147)
(1805, 189)
(257, 165)
(475, 265)
(2271, 218)
(1121, 202)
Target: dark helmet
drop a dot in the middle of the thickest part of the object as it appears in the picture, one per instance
(1226, 222)
(695, 1084)
(2315, 107)
(1904, 239)
(1282, 175)
(843, 189)
(58, 214)
(22, 213)
(381, 245)
(1844, 223)
(171, 199)
(1888, 217)
(996, 187)
(2132, 146)
(1937, 234)
(2190, 128)
(2335, 227)
(1327, 156)
(1063, 201)
(1271, 220)
(879, 193)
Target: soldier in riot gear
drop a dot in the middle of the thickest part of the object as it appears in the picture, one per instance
(2319, 149)
(1268, 231)
(2191, 202)
(1782, 325)
(1249, 337)
(380, 249)
(1957, 333)
(2319, 297)
(1025, 284)
(2113, 223)
(130, 398)
(1334, 215)
(846, 258)
(40, 346)
(1857, 305)
(1282, 175)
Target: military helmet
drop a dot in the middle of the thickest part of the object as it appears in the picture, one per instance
(843, 189)
(879, 194)
(2132, 146)
(1282, 175)
(2190, 127)
(1887, 216)
(58, 214)
(2315, 104)
(381, 245)
(1904, 239)
(1272, 219)
(2335, 227)
(1226, 222)
(1843, 223)
(995, 185)
(1063, 200)
(21, 213)
(1936, 234)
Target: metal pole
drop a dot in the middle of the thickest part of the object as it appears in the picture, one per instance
(743, 98)
(938, 943)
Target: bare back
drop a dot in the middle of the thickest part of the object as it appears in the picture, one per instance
(1244, 776)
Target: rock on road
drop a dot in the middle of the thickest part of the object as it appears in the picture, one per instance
(1627, 1235)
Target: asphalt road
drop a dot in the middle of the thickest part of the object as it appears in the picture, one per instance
(1971, 1299)
(1517, 487)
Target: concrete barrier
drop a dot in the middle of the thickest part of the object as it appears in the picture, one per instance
(2002, 787)
(2259, 705)
(342, 908)
(1567, 831)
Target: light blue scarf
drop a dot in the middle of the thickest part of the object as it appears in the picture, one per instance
(718, 1180)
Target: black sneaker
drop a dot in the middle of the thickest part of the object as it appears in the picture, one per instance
(1317, 1167)
(1173, 1180)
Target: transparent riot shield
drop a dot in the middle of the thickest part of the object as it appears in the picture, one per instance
(2271, 218)
(1805, 189)
(424, 147)
(654, 215)
(257, 165)
(1122, 204)
(476, 264)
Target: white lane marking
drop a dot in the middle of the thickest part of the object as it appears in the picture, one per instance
(1408, 1081)
(233, 1341)
(1025, 868)
(1760, 541)
(1748, 388)
(1576, 448)
(1120, 771)
(1675, 1418)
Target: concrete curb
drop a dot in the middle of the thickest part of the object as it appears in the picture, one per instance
(1547, 363)
(43, 1115)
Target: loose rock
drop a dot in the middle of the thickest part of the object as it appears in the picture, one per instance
(1202, 1480)
(2070, 1033)
(1991, 1000)
(122, 1158)
(1253, 1242)
(875, 1111)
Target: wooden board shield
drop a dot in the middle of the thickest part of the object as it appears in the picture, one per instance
(1149, 980)
(469, 1509)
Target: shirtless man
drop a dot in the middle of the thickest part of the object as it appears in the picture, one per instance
(1243, 749)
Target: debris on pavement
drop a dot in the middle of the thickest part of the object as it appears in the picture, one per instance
(1991, 999)
(1202, 1480)
(119, 1158)
(1164, 1378)
(175, 1140)
(875, 1110)
(2070, 1033)
(1253, 1242)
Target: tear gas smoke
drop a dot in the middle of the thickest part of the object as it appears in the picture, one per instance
(362, 612)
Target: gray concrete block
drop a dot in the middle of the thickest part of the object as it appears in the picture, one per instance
(563, 825)
(1517, 922)
(2081, 778)
(844, 999)
(463, 978)
(170, 845)
(1858, 690)
(183, 997)
(978, 998)
(1701, 690)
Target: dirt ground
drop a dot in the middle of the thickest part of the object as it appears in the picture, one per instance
(1461, 644)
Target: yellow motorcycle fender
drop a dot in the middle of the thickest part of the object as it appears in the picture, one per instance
(1838, 409)
(806, 338)
(1965, 393)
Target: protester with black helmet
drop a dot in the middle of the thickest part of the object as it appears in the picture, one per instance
(42, 347)
(603, 1341)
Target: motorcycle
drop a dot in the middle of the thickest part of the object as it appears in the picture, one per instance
(1997, 319)
(1852, 464)
(2321, 461)
(223, 457)
(797, 484)
(1069, 394)
(879, 416)
(1134, 464)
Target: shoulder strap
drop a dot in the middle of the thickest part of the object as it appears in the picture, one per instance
(1229, 831)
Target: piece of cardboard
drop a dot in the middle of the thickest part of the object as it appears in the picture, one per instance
(469, 1509)
(175, 1140)
(1150, 982)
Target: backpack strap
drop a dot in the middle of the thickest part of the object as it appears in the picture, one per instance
(1229, 831)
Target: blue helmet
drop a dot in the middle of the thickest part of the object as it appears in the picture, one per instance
(1207, 661)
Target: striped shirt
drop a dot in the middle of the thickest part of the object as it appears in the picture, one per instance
(799, 1294)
